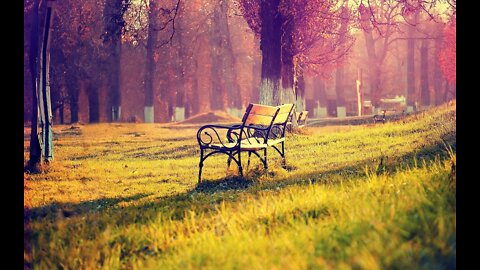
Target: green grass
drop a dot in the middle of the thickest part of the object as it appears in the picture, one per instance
(125, 196)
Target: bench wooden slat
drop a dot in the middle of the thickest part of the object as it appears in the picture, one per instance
(303, 116)
(258, 119)
(263, 110)
(283, 113)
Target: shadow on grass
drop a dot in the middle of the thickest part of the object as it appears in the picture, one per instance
(55, 210)
(145, 152)
(204, 197)
(203, 200)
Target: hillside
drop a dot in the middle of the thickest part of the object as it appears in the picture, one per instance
(125, 196)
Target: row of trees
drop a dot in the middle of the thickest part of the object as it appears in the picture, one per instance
(167, 61)
(294, 39)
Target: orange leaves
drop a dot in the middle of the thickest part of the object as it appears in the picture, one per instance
(447, 55)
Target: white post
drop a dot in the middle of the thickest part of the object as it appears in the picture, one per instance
(179, 113)
(148, 114)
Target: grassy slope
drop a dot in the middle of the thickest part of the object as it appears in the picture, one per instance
(125, 195)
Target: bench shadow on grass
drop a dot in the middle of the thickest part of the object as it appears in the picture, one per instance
(204, 196)
(381, 164)
(202, 199)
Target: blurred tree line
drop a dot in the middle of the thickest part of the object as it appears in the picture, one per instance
(162, 61)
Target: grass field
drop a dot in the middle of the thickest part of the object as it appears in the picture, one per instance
(125, 196)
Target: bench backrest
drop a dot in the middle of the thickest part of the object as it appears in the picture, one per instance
(257, 114)
(264, 122)
(284, 114)
(302, 116)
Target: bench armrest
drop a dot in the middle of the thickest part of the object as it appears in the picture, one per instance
(261, 134)
(209, 134)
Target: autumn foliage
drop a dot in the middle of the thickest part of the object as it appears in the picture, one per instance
(448, 54)
(317, 36)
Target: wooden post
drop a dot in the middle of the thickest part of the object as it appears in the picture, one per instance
(359, 91)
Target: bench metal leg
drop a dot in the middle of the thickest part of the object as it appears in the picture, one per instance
(281, 152)
(200, 165)
(240, 169)
(249, 155)
(229, 161)
(265, 165)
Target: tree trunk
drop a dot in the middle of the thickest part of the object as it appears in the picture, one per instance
(93, 103)
(229, 69)
(73, 93)
(218, 93)
(113, 18)
(195, 101)
(411, 74)
(150, 65)
(411, 93)
(256, 73)
(61, 113)
(300, 90)
(339, 73)
(319, 97)
(35, 149)
(270, 45)
(437, 79)
(180, 67)
(287, 91)
(114, 83)
(425, 93)
(223, 62)
(374, 70)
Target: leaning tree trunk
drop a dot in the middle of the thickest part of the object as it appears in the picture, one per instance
(45, 108)
(35, 149)
(270, 45)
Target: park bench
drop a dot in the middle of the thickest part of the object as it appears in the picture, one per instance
(382, 117)
(262, 127)
(301, 120)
